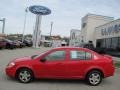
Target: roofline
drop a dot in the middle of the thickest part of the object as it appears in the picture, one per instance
(75, 29)
(98, 15)
(107, 23)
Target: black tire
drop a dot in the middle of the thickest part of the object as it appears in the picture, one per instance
(7, 46)
(11, 47)
(24, 75)
(21, 46)
(94, 78)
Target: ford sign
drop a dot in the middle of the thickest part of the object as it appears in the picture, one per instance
(40, 10)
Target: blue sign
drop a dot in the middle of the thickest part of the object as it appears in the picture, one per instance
(40, 10)
(111, 30)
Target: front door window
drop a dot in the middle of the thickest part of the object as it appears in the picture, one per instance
(54, 56)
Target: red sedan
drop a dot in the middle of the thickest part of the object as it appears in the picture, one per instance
(63, 63)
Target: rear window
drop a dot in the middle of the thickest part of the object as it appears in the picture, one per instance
(80, 55)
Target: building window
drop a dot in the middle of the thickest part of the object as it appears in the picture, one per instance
(83, 25)
(99, 43)
(104, 43)
(118, 42)
(73, 35)
(114, 42)
(108, 42)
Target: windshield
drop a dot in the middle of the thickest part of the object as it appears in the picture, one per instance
(35, 56)
(8, 40)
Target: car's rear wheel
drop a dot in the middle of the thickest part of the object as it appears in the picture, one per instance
(94, 78)
(24, 75)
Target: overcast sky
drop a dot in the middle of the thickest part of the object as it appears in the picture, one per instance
(66, 14)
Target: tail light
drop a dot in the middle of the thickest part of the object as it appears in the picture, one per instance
(111, 62)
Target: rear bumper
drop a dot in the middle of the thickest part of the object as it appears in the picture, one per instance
(110, 72)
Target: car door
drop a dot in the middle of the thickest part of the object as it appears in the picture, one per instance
(54, 64)
(78, 63)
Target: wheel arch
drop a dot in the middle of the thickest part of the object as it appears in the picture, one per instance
(23, 67)
(95, 69)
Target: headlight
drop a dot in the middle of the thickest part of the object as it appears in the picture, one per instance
(11, 64)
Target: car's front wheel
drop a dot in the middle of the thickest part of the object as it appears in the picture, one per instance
(94, 78)
(24, 75)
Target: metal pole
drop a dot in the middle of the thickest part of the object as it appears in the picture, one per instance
(51, 28)
(26, 10)
(51, 32)
(3, 28)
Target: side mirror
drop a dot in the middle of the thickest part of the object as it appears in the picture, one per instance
(43, 59)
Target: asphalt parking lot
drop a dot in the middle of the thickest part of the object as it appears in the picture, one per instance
(111, 83)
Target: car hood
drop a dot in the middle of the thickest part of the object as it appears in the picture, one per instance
(22, 59)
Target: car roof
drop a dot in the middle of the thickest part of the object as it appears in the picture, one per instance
(75, 48)
(68, 47)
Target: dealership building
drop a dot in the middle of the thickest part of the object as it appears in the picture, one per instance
(108, 35)
(103, 31)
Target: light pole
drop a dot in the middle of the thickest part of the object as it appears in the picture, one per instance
(51, 32)
(51, 28)
(26, 11)
(3, 28)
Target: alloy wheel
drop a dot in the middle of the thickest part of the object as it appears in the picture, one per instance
(94, 78)
(25, 75)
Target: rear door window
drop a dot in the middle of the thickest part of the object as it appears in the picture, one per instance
(80, 55)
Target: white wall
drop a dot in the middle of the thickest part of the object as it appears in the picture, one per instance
(56, 43)
(92, 21)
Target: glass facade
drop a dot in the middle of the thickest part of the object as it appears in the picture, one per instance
(109, 43)
(114, 43)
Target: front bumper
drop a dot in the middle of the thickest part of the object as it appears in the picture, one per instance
(10, 71)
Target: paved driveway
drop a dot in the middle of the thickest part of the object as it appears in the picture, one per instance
(112, 83)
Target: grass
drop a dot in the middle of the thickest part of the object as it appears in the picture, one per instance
(117, 64)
